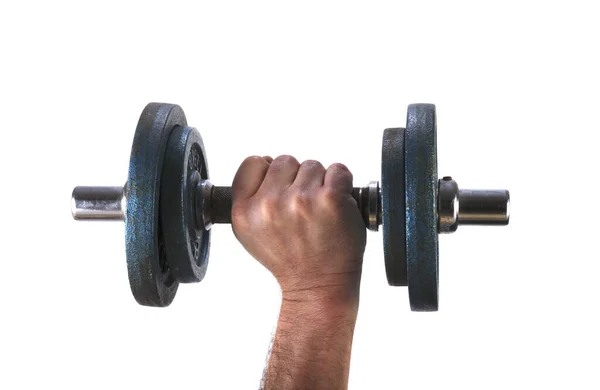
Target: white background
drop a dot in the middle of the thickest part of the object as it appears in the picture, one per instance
(516, 86)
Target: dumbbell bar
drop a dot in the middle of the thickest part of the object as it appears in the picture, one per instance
(213, 205)
(169, 206)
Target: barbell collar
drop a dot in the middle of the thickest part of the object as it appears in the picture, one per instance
(470, 207)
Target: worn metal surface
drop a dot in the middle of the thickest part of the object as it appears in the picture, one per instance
(150, 276)
(447, 205)
(203, 204)
(484, 207)
(470, 207)
(368, 200)
(186, 243)
(421, 207)
(93, 203)
(393, 206)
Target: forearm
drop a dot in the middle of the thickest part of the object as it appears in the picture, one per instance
(312, 345)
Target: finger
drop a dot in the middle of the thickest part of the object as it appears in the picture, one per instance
(338, 177)
(249, 177)
(268, 158)
(311, 174)
(281, 174)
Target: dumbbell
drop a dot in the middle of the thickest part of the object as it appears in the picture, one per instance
(169, 206)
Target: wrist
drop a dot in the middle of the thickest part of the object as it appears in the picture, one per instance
(312, 345)
(336, 289)
(319, 308)
(327, 295)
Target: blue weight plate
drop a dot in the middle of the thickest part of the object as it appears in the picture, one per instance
(186, 246)
(421, 207)
(393, 208)
(150, 276)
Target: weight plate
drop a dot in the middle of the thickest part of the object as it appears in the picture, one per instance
(187, 248)
(393, 206)
(150, 277)
(421, 207)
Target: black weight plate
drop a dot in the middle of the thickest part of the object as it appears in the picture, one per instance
(421, 207)
(185, 165)
(150, 277)
(393, 206)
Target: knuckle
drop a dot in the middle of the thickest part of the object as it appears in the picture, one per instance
(299, 202)
(312, 165)
(269, 207)
(239, 214)
(285, 159)
(340, 172)
(330, 197)
(252, 160)
(339, 167)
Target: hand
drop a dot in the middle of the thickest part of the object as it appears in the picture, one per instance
(301, 222)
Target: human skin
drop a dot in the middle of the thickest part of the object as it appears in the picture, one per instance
(301, 222)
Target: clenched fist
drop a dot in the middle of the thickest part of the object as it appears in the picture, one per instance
(301, 222)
